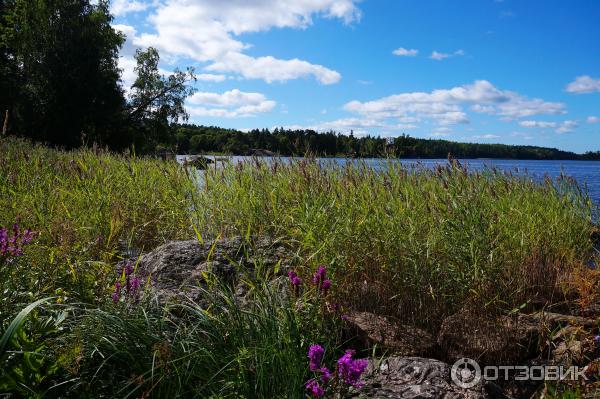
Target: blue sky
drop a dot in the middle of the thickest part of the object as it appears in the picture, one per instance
(510, 71)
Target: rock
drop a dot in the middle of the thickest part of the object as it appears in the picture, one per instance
(553, 320)
(568, 353)
(180, 268)
(489, 341)
(198, 162)
(413, 377)
(401, 340)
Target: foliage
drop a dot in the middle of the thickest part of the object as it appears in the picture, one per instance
(27, 366)
(60, 81)
(50, 48)
(226, 350)
(89, 208)
(417, 243)
(286, 142)
(155, 100)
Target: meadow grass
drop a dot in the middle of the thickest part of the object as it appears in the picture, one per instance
(411, 243)
(88, 207)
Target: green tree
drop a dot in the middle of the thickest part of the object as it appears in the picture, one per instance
(156, 100)
(59, 74)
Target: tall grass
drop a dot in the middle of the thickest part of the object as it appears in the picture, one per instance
(88, 207)
(413, 243)
(228, 350)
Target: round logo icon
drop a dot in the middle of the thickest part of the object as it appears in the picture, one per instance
(465, 373)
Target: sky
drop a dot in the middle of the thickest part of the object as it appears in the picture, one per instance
(490, 71)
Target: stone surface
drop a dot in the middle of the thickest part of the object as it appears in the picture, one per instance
(490, 341)
(400, 340)
(553, 320)
(181, 268)
(413, 377)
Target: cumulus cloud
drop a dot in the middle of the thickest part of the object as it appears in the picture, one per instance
(230, 104)
(538, 124)
(561, 127)
(122, 7)
(210, 77)
(435, 55)
(584, 84)
(593, 119)
(567, 127)
(403, 52)
(206, 32)
(447, 106)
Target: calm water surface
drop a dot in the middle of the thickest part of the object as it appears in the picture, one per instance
(587, 173)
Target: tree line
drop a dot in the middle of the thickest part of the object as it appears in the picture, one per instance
(193, 139)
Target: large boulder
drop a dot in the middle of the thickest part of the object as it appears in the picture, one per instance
(411, 378)
(398, 339)
(489, 340)
(180, 269)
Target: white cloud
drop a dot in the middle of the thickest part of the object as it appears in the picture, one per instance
(538, 124)
(561, 127)
(403, 52)
(230, 104)
(210, 77)
(122, 7)
(435, 55)
(446, 106)
(593, 119)
(486, 136)
(205, 32)
(271, 69)
(584, 84)
(567, 127)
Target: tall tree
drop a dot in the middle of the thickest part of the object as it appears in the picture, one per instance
(61, 57)
(156, 100)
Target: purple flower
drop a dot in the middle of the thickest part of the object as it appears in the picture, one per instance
(115, 297)
(350, 369)
(597, 338)
(128, 268)
(325, 286)
(12, 245)
(325, 375)
(319, 275)
(315, 356)
(135, 286)
(315, 389)
(294, 279)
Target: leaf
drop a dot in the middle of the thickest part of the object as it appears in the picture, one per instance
(18, 322)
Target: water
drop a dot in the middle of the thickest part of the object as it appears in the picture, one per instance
(587, 173)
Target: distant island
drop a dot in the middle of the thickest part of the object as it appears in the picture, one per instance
(194, 139)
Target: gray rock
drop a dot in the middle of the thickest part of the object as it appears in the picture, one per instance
(411, 378)
(180, 269)
(495, 341)
(400, 340)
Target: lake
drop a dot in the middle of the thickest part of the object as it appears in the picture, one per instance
(587, 173)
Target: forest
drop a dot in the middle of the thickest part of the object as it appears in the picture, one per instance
(192, 139)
